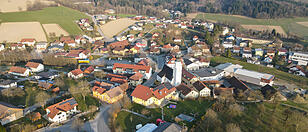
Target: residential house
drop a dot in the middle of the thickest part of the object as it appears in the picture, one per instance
(171, 74)
(46, 75)
(136, 79)
(213, 83)
(28, 41)
(208, 73)
(203, 90)
(246, 52)
(9, 113)
(61, 111)
(2, 47)
(143, 95)
(75, 74)
(110, 96)
(78, 54)
(55, 48)
(258, 52)
(227, 44)
(18, 47)
(7, 83)
(169, 127)
(119, 44)
(89, 70)
(35, 67)
(253, 77)
(238, 86)
(131, 69)
(45, 85)
(270, 52)
(35, 116)
(188, 78)
(187, 92)
(141, 43)
(236, 49)
(19, 71)
(228, 68)
(282, 52)
(177, 40)
(41, 46)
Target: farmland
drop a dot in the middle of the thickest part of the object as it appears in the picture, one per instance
(265, 28)
(114, 27)
(18, 5)
(15, 31)
(65, 17)
(54, 28)
(289, 25)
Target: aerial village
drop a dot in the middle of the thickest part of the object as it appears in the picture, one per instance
(156, 63)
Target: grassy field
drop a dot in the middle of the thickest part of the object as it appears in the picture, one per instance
(297, 80)
(288, 24)
(198, 107)
(63, 16)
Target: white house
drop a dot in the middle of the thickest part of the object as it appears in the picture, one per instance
(187, 92)
(227, 44)
(77, 73)
(35, 67)
(132, 69)
(2, 47)
(7, 83)
(19, 71)
(41, 46)
(61, 111)
(28, 41)
(203, 90)
(225, 30)
(246, 55)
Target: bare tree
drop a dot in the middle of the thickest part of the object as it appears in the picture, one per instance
(232, 128)
(83, 88)
(42, 98)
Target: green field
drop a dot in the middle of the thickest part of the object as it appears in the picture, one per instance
(63, 16)
(288, 24)
(297, 80)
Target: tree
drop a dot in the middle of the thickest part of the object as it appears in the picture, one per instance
(232, 128)
(229, 54)
(12, 92)
(77, 124)
(66, 47)
(82, 87)
(42, 97)
(235, 110)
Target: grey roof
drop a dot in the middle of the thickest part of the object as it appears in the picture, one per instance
(185, 117)
(6, 82)
(187, 61)
(164, 85)
(167, 72)
(47, 74)
(207, 72)
(168, 127)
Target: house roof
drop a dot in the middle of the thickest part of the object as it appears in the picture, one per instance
(44, 84)
(6, 82)
(137, 76)
(253, 74)
(114, 92)
(116, 76)
(136, 68)
(167, 72)
(28, 40)
(65, 105)
(184, 89)
(118, 80)
(142, 92)
(119, 44)
(163, 90)
(237, 84)
(90, 69)
(187, 75)
(76, 72)
(207, 72)
(16, 69)
(168, 127)
(268, 91)
(199, 85)
(32, 64)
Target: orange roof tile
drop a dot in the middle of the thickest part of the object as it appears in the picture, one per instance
(142, 92)
(16, 69)
(76, 72)
(137, 76)
(136, 68)
(32, 64)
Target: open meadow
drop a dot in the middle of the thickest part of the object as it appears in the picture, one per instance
(289, 25)
(19, 5)
(114, 27)
(63, 16)
(265, 28)
(54, 28)
(15, 31)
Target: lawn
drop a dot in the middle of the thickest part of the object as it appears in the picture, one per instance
(298, 80)
(123, 15)
(189, 107)
(63, 16)
(288, 24)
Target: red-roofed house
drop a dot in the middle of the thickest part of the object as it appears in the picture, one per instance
(131, 69)
(142, 95)
(61, 111)
(78, 54)
(110, 96)
(35, 67)
(77, 73)
(19, 71)
(18, 46)
(136, 79)
(28, 41)
(89, 70)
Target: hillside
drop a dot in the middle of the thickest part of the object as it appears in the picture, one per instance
(251, 8)
(63, 16)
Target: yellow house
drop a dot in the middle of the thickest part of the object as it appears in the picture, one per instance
(110, 96)
(134, 50)
(142, 95)
(119, 51)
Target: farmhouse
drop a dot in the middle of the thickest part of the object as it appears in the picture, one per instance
(28, 41)
(203, 90)
(132, 69)
(187, 92)
(35, 67)
(75, 74)
(19, 71)
(253, 77)
(61, 111)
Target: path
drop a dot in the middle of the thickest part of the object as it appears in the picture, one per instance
(135, 113)
(295, 107)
